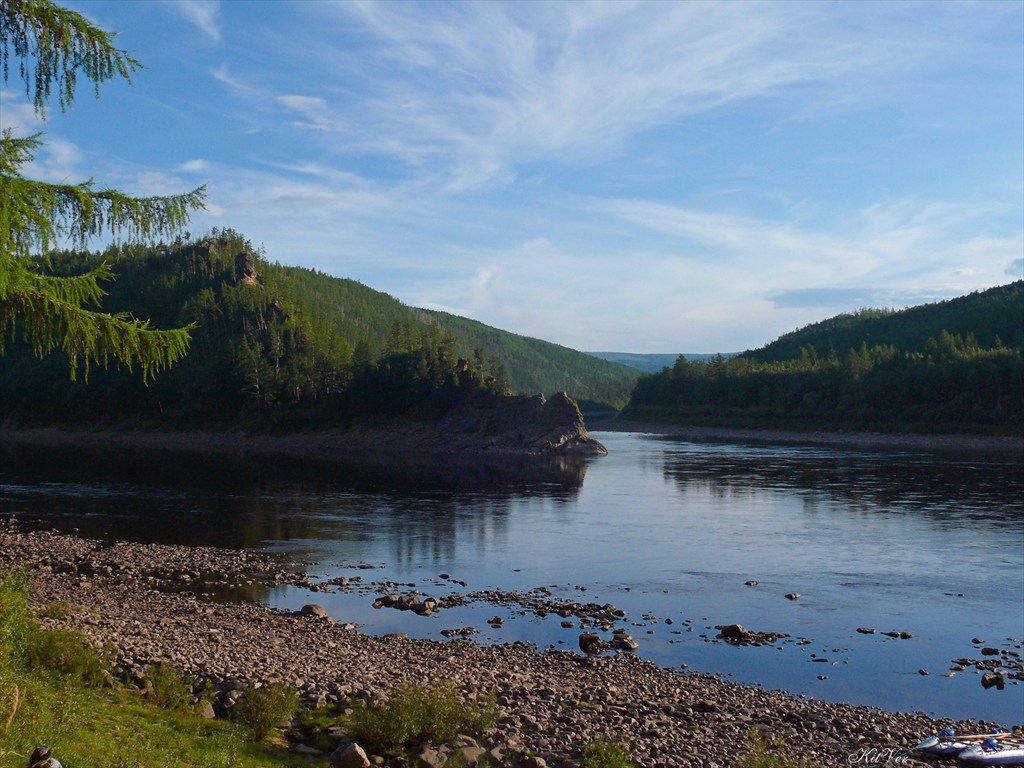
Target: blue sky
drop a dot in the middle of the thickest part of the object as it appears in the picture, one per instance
(643, 177)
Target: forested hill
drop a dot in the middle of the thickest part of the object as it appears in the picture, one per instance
(952, 366)
(289, 341)
(992, 317)
(534, 365)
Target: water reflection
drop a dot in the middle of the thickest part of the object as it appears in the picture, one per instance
(662, 527)
(170, 497)
(948, 491)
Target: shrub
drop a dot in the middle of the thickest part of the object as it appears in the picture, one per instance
(171, 687)
(603, 753)
(261, 709)
(769, 753)
(416, 715)
(66, 653)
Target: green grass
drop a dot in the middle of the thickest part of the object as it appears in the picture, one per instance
(52, 692)
(416, 715)
(603, 753)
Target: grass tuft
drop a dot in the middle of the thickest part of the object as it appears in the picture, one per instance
(261, 710)
(770, 753)
(416, 715)
(171, 688)
(604, 753)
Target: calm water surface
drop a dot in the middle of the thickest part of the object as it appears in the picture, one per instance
(662, 528)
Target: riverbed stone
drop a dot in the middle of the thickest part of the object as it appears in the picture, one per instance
(314, 610)
(349, 756)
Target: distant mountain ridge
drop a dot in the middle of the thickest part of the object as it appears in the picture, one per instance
(654, 361)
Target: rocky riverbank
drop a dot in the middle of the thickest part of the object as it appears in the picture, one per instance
(148, 602)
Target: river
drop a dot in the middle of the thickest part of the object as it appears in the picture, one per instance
(671, 531)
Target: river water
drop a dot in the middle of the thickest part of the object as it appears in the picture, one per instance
(668, 530)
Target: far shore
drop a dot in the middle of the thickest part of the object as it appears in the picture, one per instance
(1009, 446)
(382, 446)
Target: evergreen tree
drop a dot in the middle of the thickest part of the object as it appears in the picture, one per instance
(54, 45)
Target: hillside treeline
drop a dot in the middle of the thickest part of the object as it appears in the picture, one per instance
(939, 382)
(267, 340)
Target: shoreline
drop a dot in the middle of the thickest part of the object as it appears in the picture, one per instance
(380, 447)
(373, 445)
(146, 600)
(1009, 446)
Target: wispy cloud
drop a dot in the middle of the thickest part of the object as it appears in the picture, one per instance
(314, 109)
(17, 113)
(203, 14)
(649, 176)
(478, 89)
(224, 75)
(197, 165)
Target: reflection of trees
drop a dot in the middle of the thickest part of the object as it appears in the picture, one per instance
(423, 504)
(945, 489)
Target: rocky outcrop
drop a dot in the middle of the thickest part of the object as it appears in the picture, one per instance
(532, 425)
(245, 269)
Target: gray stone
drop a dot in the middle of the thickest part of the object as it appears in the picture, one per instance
(431, 758)
(993, 679)
(591, 643)
(314, 610)
(734, 632)
(471, 755)
(349, 756)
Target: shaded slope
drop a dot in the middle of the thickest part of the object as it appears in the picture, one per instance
(991, 316)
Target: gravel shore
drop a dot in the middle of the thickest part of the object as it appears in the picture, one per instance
(146, 600)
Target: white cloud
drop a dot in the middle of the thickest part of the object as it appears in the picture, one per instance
(203, 14)
(314, 109)
(477, 89)
(195, 166)
(717, 282)
(17, 113)
(224, 75)
(57, 161)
